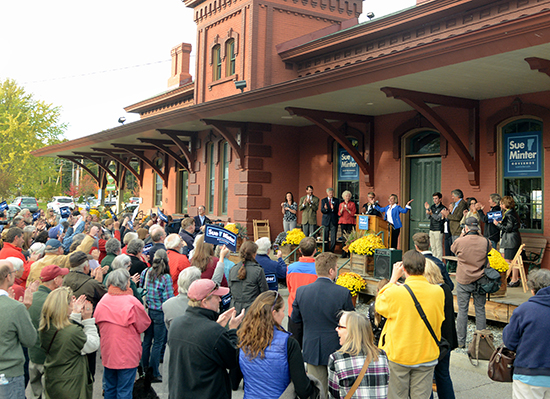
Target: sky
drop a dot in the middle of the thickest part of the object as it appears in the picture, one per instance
(94, 59)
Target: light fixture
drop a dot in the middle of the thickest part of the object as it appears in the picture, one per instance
(240, 84)
(121, 120)
(370, 15)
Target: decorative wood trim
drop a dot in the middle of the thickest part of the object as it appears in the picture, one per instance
(139, 152)
(161, 145)
(419, 101)
(76, 161)
(117, 156)
(189, 152)
(214, 43)
(100, 163)
(540, 64)
(320, 118)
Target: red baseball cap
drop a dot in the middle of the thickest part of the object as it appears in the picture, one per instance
(203, 288)
(52, 271)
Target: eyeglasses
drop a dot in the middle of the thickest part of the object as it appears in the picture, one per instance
(275, 301)
(339, 327)
(216, 286)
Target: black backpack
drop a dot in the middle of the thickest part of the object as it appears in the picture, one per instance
(490, 282)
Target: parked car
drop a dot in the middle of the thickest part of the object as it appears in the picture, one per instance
(135, 200)
(60, 202)
(29, 203)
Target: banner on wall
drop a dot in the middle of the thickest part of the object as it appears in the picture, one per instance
(523, 154)
(348, 170)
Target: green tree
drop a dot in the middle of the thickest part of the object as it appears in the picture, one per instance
(26, 124)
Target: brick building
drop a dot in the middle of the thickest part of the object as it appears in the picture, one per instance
(446, 94)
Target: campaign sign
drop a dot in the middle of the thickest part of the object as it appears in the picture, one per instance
(363, 222)
(35, 216)
(272, 283)
(3, 206)
(492, 216)
(347, 167)
(226, 302)
(146, 249)
(523, 154)
(220, 236)
(65, 212)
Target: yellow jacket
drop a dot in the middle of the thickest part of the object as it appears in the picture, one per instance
(405, 338)
(59, 260)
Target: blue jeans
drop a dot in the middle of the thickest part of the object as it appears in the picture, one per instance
(14, 389)
(119, 383)
(155, 336)
(443, 379)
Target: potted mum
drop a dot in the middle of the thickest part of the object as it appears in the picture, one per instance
(239, 230)
(353, 282)
(497, 262)
(362, 251)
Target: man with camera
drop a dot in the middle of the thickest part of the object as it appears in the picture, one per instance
(471, 249)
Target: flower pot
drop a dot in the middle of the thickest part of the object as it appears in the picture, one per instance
(503, 286)
(287, 249)
(362, 264)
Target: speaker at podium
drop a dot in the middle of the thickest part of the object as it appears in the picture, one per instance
(384, 258)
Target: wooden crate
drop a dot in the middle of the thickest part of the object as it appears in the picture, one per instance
(362, 264)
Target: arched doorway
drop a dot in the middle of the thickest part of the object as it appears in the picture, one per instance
(421, 153)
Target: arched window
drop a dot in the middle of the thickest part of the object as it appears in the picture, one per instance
(216, 62)
(158, 184)
(230, 60)
(211, 178)
(225, 177)
(522, 170)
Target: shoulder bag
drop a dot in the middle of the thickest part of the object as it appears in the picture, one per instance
(443, 344)
(501, 364)
(359, 378)
(481, 347)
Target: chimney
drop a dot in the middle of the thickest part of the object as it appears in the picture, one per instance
(180, 66)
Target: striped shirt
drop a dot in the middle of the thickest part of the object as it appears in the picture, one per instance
(343, 370)
(158, 290)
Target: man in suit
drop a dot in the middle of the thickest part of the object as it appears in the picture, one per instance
(309, 204)
(317, 306)
(369, 207)
(455, 213)
(201, 219)
(329, 209)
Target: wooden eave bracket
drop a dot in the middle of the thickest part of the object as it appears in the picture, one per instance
(222, 127)
(116, 155)
(540, 64)
(420, 100)
(101, 163)
(139, 152)
(190, 155)
(75, 160)
(163, 146)
(319, 118)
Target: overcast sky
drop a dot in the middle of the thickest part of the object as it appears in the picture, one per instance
(94, 58)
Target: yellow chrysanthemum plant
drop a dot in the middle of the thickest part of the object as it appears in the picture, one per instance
(497, 262)
(293, 237)
(237, 229)
(352, 281)
(366, 245)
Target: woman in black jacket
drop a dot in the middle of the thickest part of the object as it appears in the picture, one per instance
(510, 240)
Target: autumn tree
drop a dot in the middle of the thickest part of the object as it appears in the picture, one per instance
(26, 124)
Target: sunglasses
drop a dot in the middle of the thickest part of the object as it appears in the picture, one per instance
(216, 286)
(339, 327)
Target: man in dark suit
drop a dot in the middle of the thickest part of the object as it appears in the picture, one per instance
(201, 219)
(317, 306)
(329, 208)
(369, 208)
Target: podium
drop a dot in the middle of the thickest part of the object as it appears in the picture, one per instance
(374, 223)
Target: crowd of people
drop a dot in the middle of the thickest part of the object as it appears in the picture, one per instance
(72, 286)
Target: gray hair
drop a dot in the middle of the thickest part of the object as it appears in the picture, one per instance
(135, 246)
(539, 279)
(78, 238)
(121, 262)
(157, 233)
(263, 244)
(129, 237)
(112, 246)
(458, 193)
(495, 198)
(172, 241)
(16, 262)
(81, 267)
(29, 229)
(108, 235)
(17, 220)
(38, 248)
(186, 278)
(119, 278)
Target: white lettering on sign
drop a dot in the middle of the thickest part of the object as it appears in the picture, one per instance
(518, 151)
(347, 161)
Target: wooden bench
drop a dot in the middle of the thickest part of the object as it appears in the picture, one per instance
(534, 251)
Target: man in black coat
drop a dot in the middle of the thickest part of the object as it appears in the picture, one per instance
(491, 231)
(317, 306)
(201, 219)
(329, 208)
(201, 349)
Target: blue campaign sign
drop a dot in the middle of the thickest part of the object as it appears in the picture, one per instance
(523, 154)
(363, 222)
(347, 167)
(65, 212)
(220, 236)
(3, 206)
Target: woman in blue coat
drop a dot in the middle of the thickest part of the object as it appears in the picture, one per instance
(392, 216)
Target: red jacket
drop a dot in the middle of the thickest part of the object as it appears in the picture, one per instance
(345, 216)
(177, 262)
(298, 274)
(9, 250)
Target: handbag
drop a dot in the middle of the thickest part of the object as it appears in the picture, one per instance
(501, 364)
(481, 347)
(443, 344)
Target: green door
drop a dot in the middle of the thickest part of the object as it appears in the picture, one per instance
(425, 178)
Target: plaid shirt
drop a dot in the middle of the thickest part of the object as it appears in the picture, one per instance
(158, 291)
(343, 370)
